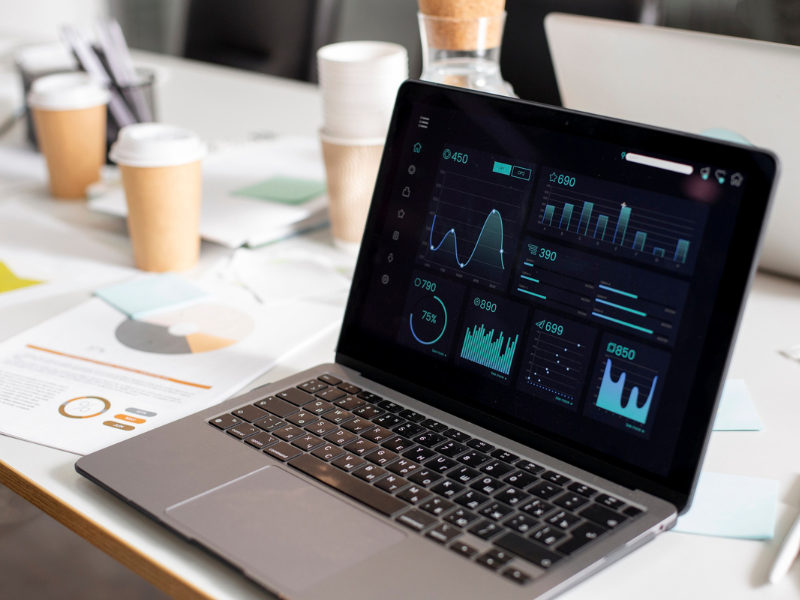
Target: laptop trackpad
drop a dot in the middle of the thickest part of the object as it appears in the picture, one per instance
(281, 529)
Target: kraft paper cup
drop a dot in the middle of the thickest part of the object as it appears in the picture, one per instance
(69, 113)
(162, 176)
(352, 169)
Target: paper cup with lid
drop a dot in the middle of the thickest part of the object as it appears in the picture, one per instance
(69, 113)
(162, 176)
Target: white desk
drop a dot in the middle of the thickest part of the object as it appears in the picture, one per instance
(219, 103)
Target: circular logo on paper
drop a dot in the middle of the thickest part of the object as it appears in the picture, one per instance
(84, 407)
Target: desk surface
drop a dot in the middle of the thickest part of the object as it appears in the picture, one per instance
(675, 565)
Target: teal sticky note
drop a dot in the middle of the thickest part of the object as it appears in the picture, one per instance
(732, 506)
(286, 190)
(736, 411)
(149, 295)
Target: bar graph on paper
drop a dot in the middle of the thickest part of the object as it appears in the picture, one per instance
(647, 227)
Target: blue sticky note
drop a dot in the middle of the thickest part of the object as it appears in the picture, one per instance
(149, 295)
(732, 506)
(736, 410)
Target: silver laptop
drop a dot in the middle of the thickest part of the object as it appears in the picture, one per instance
(539, 326)
(692, 82)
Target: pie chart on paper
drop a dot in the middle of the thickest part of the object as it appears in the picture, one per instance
(190, 330)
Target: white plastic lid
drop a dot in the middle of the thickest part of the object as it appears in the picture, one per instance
(156, 145)
(67, 91)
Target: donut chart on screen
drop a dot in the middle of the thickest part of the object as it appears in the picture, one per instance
(189, 330)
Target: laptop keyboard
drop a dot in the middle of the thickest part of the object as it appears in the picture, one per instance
(431, 478)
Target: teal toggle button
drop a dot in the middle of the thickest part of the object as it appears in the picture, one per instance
(502, 168)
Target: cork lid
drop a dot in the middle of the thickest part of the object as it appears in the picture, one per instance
(462, 9)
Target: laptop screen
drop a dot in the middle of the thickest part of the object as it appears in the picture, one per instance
(559, 273)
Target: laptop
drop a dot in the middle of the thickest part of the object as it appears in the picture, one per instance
(695, 82)
(537, 334)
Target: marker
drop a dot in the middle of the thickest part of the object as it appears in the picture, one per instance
(787, 553)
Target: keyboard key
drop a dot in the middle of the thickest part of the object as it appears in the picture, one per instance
(516, 576)
(416, 519)
(528, 550)
(436, 506)
(302, 418)
(444, 533)
(485, 530)
(391, 483)
(529, 467)
(398, 444)
(328, 452)
(381, 456)
(388, 420)
(269, 423)
(277, 407)
(408, 429)
(389, 405)
(357, 425)
(424, 477)
(369, 396)
(521, 523)
(511, 496)
(225, 421)
(546, 490)
(487, 485)
(283, 451)
(368, 411)
(464, 549)
(496, 468)
(429, 439)
(632, 511)
(360, 447)
(261, 440)
(563, 520)
(340, 437)
(547, 535)
(520, 479)
(288, 433)
(348, 462)
(412, 416)
(581, 535)
(434, 425)
(458, 436)
(349, 402)
(602, 515)
(419, 454)
(451, 449)
(440, 464)
(582, 489)
(307, 442)
(447, 488)
(377, 435)
(609, 501)
(414, 494)
(570, 501)
(402, 466)
(473, 458)
(321, 428)
(249, 413)
(338, 416)
(318, 407)
(312, 386)
(349, 388)
(494, 559)
(461, 517)
(472, 499)
(369, 473)
(331, 394)
(329, 379)
(463, 474)
(242, 431)
(348, 485)
(537, 508)
(556, 478)
(496, 511)
(505, 456)
(480, 446)
(295, 396)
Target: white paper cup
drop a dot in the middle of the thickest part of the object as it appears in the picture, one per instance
(162, 177)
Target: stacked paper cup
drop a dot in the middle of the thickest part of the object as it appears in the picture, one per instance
(359, 82)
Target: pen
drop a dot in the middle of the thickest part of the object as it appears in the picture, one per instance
(787, 553)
